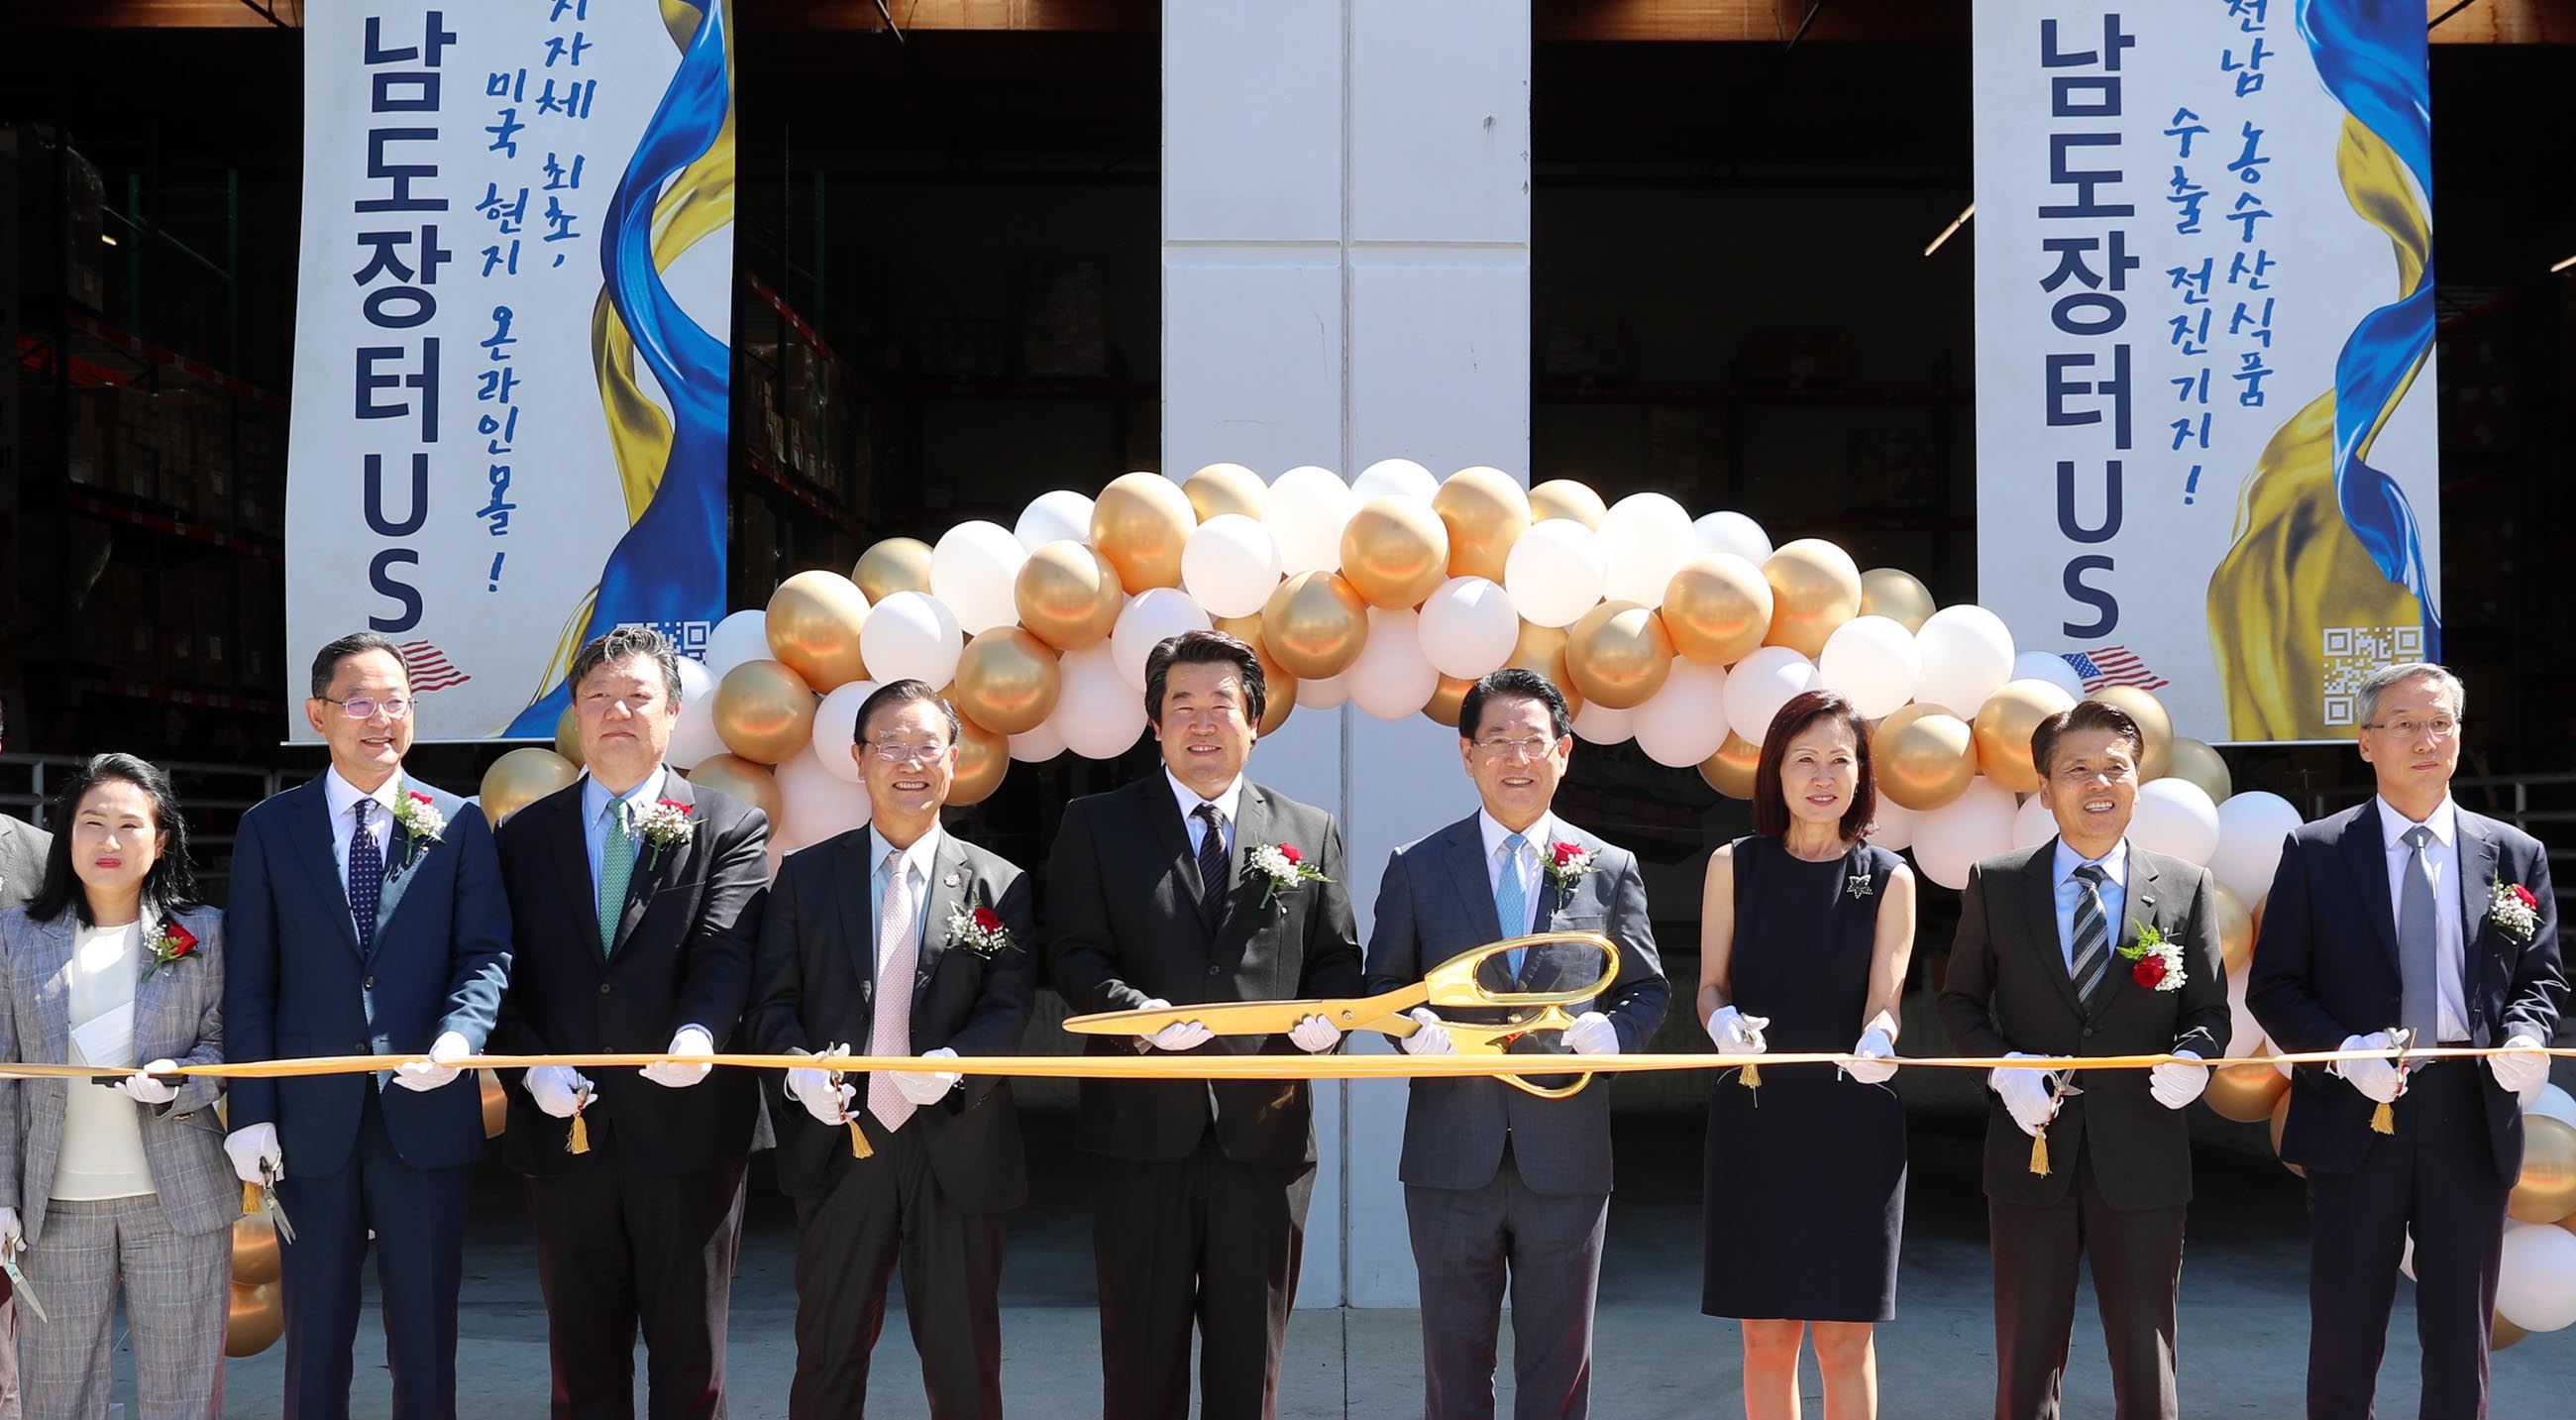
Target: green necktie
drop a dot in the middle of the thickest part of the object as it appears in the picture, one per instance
(616, 867)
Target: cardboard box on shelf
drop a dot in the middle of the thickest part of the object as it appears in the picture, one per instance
(61, 214)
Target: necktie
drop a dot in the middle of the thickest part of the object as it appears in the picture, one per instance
(2092, 934)
(616, 871)
(2418, 956)
(1511, 901)
(891, 1032)
(366, 876)
(1212, 861)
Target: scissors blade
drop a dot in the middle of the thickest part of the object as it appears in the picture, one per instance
(276, 1211)
(1250, 1017)
(18, 1287)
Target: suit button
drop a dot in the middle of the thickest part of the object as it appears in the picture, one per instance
(2088, 1032)
(367, 985)
(604, 988)
(1215, 970)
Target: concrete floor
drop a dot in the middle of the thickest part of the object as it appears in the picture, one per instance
(2244, 1313)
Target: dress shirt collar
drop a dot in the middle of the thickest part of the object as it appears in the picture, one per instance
(917, 858)
(1189, 800)
(595, 797)
(1538, 835)
(343, 796)
(2114, 864)
(2444, 821)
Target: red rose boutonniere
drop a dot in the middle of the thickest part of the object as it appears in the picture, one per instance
(175, 944)
(979, 929)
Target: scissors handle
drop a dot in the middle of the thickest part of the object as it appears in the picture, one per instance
(1381, 1013)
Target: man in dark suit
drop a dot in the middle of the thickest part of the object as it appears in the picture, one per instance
(2053, 959)
(946, 926)
(366, 918)
(23, 847)
(2388, 917)
(1157, 895)
(1498, 1180)
(637, 898)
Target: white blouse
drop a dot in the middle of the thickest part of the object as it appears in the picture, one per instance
(102, 1152)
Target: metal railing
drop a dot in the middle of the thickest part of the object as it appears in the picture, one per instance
(214, 795)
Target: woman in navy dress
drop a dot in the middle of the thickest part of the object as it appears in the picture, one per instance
(1803, 945)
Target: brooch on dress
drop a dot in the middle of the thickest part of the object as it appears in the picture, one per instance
(1857, 885)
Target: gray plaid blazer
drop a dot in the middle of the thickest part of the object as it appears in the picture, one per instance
(178, 1015)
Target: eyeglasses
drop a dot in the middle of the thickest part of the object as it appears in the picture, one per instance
(2440, 727)
(360, 707)
(897, 752)
(1535, 747)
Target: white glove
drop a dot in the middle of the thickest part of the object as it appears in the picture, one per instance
(143, 1089)
(1735, 1033)
(1182, 1035)
(2175, 1084)
(2377, 1079)
(556, 1089)
(12, 1237)
(824, 1096)
(2522, 1068)
(1592, 1034)
(1877, 1050)
(2026, 1094)
(438, 1069)
(1432, 1039)
(927, 1088)
(1314, 1035)
(680, 1074)
(251, 1146)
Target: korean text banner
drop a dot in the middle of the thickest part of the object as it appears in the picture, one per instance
(511, 371)
(2205, 435)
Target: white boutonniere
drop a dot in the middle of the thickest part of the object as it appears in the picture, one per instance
(977, 928)
(666, 823)
(2514, 910)
(1283, 866)
(2157, 962)
(1566, 865)
(419, 816)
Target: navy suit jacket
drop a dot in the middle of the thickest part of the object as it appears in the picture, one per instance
(2325, 967)
(296, 984)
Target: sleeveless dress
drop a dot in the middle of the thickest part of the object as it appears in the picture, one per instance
(1805, 1177)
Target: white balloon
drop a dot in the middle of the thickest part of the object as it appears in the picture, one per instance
(1684, 721)
(1950, 839)
(1398, 478)
(696, 681)
(2175, 817)
(693, 736)
(1873, 661)
(2033, 824)
(1392, 678)
(1039, 745)
(1329, 693)
(1556, 571)
(1598, 724)
(1892, 828)
(1151, 616)
(911, 636)
(948, 621)
(2553, 1102)
(1733, 532)
(1305, 512)
(743, 636)
(2253, 826)
(2536, 1285)
(815, 802)
(1967, 655)
(1231, 565)
(1098, 714)
(1060, 516)
(1760, 684)
(836, 728)
(973, 571)
(1646, 537)
(1469, 627)
(2051, 667)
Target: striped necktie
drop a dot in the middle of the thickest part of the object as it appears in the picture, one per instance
(2092, 934)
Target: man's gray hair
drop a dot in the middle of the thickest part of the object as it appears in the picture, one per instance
(620, 642)
(2387, 677)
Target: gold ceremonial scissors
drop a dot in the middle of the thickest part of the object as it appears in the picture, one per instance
(1524, 983)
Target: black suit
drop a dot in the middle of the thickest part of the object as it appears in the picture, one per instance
(932, 1193)
(1200, 1191)
(2326, 967)
(2120, 1163)
(644, 1226)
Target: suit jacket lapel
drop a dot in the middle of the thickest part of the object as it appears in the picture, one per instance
(948, 887)
(1251, 830)
(855, 894)
(2478, 874)
(2138, 906)
(2038, 900)
(559, 819)
(1466, 855)
(46, 976)
(653, 870)
(310, 827)
(400, 861)
(1164, 812)
(2365, 851)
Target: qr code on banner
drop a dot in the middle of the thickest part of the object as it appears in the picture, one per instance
(689, 638)
(2351, 654)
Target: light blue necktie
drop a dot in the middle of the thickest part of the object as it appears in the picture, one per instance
(1511, 901)
(616, 871)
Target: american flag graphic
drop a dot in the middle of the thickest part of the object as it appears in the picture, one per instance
(2113, 665)
(430, 670)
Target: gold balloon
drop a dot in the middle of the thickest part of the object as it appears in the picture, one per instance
(496, 1118)
(1887, 592)
(1007, 681)
(1815, 587)
(1485, 512)
(2153, 723)
(1315, 625)
(2201, 765)
(1447, 701)
(741, 778)
(813, 624)
(2546, 1192)
(1395, 551)
(522, 777)
(1278, 687)
(256, 1319)
(1068, 595)
(1924, 756)
(255, 1255)
(1718, 608)
(1567, 498)
(2003, 730)
(1619, 654)
(898, 564)
(764, 711)
(1140, 521)
(2503, 1334)
(983, 757)
(1543, 649)
(2280, 1118)
(2235, 929)
(1226, 488)
(1732, 769)
(568, 738)
(2245, 1093)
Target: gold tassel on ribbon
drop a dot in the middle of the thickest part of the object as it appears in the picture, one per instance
(1752, 1077)
(579, 1143)
(2039, 1153)
(859, 1141)
(2383, 1120)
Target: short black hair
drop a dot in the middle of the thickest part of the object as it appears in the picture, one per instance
(905, 692)
(619, 642)
(171, 884)
(1513, 683)
(326, 662)
(2085, 715)
(1214, 648)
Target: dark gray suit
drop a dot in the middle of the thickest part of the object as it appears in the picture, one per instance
(1498, 1181)
(23, 847)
